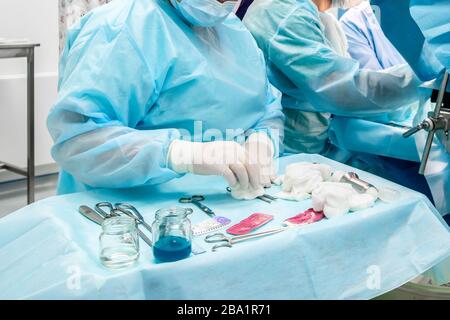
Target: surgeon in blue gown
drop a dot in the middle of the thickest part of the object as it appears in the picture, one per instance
(425, 43)
(152, 89)
(368, 44)
(317, 81)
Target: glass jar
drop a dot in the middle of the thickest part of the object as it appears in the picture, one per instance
(119, 242)
(172, 235)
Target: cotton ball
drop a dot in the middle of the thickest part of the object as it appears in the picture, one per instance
(337, 176)
(361, 201)
(278, 181)
(332, 198)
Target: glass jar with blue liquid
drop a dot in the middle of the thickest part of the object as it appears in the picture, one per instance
(172, 235)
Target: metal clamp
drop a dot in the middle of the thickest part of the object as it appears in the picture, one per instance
(437, 120)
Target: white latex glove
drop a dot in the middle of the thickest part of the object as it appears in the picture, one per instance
(221, 158)
(301, 178)
(261, 152)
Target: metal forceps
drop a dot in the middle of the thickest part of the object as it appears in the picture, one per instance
(197, 201)
(228, 242)
(265, 197)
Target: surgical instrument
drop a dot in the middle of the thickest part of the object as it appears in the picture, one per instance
(111, 210)
(121, 208)
(360, 185)
(135, 213)
(228, 242)
(384, 194)
(98, 219)
(439, 119)
(265, 197)
(196, 201)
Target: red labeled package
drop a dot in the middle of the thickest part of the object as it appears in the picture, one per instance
(249, 224)
(307, 217)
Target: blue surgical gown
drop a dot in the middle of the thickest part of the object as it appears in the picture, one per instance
(433, 19)
(314, 78)
(367, 42)
(134, 77)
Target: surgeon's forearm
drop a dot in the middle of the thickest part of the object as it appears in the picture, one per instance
(272, 123)
(117, 157)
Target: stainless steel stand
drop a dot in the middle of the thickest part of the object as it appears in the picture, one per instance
(439, 119)
(24, 50)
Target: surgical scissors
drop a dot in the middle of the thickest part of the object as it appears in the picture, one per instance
(265, 197)
(126, 207)
(228, 242)
(122, 208)
(115, 211)
(196, 200)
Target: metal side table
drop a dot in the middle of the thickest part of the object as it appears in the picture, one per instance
(24, 50)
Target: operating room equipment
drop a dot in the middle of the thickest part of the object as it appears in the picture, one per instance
(172, 234)
(437, 120)
(385, 194)
(228, 242)
(122, 208)
(110, 210)
(119, 242)
(99, 218)
(131, 123)
(353, 178)
(210, 225)
(196, 200)
(249, 224)
(55, 237)
(91, 215)
(135, 213)
(9, 50)
(265, 197)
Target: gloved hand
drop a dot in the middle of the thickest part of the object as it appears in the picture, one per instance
(221, 158)
(261, 152)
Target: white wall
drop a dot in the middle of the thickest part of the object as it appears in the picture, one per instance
(36, 20)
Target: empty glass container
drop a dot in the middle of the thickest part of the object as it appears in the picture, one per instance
(119, 242)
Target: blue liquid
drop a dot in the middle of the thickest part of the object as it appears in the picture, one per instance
(171, 248)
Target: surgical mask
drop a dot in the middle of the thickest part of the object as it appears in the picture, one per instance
(345, 4)
(204, 13)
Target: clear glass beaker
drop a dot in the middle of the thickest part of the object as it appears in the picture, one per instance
(119, 242)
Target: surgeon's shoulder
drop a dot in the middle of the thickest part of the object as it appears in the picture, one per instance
(265, 17)
(133, 15)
